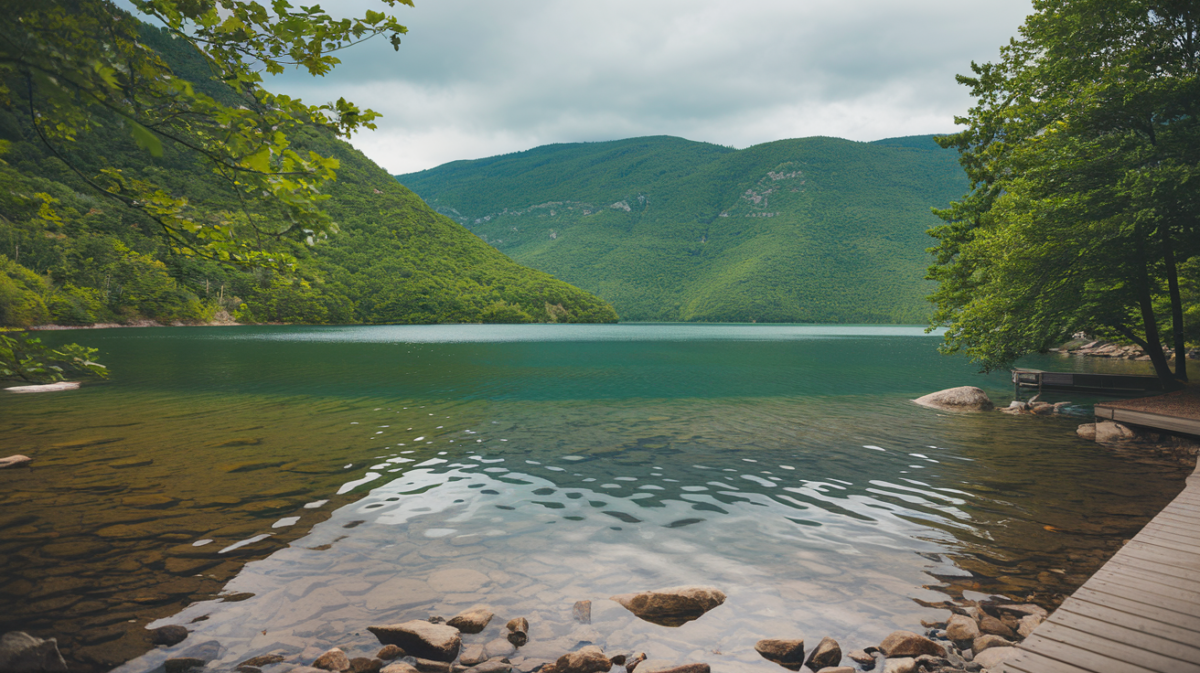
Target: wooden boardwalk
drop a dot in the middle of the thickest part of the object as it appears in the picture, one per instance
(1140, 613)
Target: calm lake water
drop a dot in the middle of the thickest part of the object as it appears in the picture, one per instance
(279, 489)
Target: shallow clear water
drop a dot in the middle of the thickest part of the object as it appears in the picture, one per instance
(389, 473)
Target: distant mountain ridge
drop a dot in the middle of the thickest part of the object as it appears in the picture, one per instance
(806, 230)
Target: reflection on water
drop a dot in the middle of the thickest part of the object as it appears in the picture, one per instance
(385, 474)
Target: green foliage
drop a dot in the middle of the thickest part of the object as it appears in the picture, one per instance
(811, 230)
(1083, 154)
(24, 357)
(75, 257)
(74, 66)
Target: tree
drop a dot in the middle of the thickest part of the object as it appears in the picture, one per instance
(1083, 151)
(73, 65)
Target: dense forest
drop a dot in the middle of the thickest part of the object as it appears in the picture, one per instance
(71, 255)
(807, 230)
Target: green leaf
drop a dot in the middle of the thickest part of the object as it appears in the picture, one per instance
(145, 139)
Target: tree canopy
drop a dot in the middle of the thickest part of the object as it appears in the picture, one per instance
(73, 65)
(1083, 151)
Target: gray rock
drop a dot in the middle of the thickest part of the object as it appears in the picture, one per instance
(962, 627)
(862, 658)
(588, 659)
(994, 656)
(172, 634)
(963, 398)
(471, 621)
(15, 461)
(909, 644)
(672, 607)
(1107, 431)
(421, 639)
(23, 653)
(207, 650)
(827, 654)
(1087, 431)
(582, 611)
(472, 655)
(500, 647)
(332, 660)
(786, 653)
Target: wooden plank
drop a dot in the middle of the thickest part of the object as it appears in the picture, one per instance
(1078, 656)
(1170, 541)
(1028, 661)
(1159, 608)
(1128, 581)
(1160, 421)
(1125, 655)
(1187, 554)
(1172, 528)
(1166, 639)
(1176, 518)
(1185, 536)
(1158, 562)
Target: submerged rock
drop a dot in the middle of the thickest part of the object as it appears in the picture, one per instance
(399, 667)
(582, 611)
(672, 607)
(171, 634)
(45, 387)
(654, 667)
(786, 653)
(900, 665)
(963, 398)
(261, 660)
(909, 644)
(181, 664)
(471, 621)
(420, 638)
(23, 653)
(473, 655)
(17, 460)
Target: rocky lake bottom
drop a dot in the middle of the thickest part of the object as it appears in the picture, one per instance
(279, 490)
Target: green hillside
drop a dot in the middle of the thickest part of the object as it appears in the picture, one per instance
(807, 230)
(69, 255)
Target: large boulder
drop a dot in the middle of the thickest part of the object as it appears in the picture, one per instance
(1107, 431)
(963, 398)
(786, 653)
(909, 644)
(1087, 431)
(23, 653)
(421, 639)
(672, 607)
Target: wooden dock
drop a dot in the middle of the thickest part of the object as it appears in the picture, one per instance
(1096, 384)
(1177, 412)
(1140, 613)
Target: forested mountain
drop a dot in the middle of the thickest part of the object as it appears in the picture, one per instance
(70, 255)
(807, 230)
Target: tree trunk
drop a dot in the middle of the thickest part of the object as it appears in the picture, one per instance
(1176, 308)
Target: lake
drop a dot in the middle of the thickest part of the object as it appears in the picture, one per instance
(278, 489)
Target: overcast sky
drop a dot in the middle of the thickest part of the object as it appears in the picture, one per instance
(475, 78)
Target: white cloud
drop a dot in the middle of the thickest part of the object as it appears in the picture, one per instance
(475, 78)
